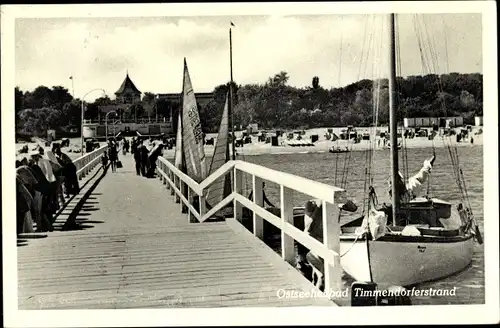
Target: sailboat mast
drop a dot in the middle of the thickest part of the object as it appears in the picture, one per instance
(393, 125)
(231, 93)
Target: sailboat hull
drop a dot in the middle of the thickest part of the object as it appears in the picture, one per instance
(405, 260)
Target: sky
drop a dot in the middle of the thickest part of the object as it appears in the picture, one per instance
(339, 49)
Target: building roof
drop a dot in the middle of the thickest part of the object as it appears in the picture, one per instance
(127, 85)
(196, 94)
(202, 97)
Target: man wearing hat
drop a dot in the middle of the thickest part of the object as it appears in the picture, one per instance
(59, 175)
(71, 185)
(43, 189)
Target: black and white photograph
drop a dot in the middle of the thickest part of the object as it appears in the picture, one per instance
(250, 163)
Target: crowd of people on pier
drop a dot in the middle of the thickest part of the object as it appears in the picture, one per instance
(145, 158)
(45, 177)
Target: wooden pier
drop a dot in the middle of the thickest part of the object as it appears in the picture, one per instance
(129, 246)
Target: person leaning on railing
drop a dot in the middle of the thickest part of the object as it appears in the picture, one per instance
(25, 176)
(71, 184)
(50, 197)
(313, 222)
(56, 195)
(24, 203)
(43, 219)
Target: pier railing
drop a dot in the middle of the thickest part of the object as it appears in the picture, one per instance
(328, 250)
(87, 162)
(163, 120)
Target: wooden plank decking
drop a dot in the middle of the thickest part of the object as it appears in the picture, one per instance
(136, 250)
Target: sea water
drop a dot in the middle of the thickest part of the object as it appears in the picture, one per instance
(333, 169)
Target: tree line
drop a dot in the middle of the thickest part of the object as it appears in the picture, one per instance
(273, 104)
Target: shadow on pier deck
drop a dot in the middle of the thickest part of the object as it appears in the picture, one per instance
(134, 249)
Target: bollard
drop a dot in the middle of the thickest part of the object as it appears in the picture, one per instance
(363, 294)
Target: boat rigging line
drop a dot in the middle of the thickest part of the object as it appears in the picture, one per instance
(376, 88)
(365, 52)
(422, 32)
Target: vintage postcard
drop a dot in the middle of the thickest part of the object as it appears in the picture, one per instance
(250, 164)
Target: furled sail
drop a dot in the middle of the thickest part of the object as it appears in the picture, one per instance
(178, 144)
(192, 134)
(221, 187)
(414, 185)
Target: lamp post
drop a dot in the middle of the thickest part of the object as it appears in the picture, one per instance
(111, 111)
(83, 112)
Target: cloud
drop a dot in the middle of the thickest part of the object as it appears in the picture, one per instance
(97, 52)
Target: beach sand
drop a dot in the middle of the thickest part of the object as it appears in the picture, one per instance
(73, 150)
(321, 146)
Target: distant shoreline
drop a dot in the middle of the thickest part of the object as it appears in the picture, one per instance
(321, 146)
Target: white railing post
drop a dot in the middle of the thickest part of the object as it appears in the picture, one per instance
(331, 239)
(85, 162)
(201, 199)
(287, 242)
(177, 184)
(78, 168)
(189, 202)
(82, 167)
(169, 175)
(258, 199)
(164, 176)
(238, 188)
(172, 178)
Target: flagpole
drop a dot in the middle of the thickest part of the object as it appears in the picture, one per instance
(72, 86)
(183, 167)
(231, 91)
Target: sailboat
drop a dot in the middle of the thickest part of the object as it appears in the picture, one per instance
(190, 156)
(414, 239)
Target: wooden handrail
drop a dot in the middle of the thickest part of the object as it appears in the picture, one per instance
(87, 162)
(309, 187)
(289, 229)
(221, 171)
(185, 178)
(328, 195)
